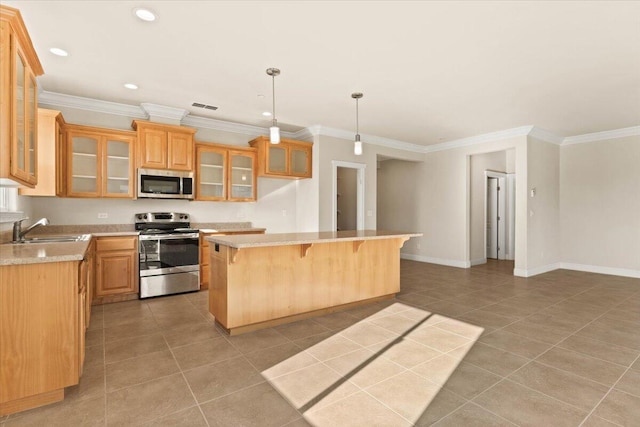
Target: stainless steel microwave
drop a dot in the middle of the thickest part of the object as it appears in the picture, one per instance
(165, 184)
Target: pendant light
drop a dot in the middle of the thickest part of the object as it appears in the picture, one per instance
(274, 130)
(357, 146)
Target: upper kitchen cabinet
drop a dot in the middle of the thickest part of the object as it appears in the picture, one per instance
(162, 146)
(225, 173)
(289, 159)
(51, 155)
(19, 66)
(99, 162)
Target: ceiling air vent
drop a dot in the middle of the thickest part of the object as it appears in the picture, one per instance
(205, 106)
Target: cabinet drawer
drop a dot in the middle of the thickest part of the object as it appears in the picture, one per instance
(116, 243)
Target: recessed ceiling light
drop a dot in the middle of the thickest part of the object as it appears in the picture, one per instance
(266, 114)
(59, 52)
(260, 95)
(144, 14)
(131, 86)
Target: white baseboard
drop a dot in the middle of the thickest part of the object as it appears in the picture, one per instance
(441, 261)
(478, 261)
(625, 272)
(520, 272)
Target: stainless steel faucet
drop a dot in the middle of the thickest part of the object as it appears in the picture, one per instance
(18, 234)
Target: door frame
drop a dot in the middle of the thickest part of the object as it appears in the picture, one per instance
(360, 167)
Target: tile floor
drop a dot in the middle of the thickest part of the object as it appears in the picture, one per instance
(457, 347)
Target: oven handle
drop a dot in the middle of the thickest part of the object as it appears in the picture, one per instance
(169, 236)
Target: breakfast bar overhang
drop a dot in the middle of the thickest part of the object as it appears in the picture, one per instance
(264, 280)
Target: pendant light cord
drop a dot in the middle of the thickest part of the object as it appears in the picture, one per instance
(357, 118)
(273, 89)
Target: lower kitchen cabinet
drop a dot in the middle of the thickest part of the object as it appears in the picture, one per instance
(116, 269)
(43, 319)
(204, 254)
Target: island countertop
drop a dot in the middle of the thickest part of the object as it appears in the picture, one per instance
(286, 239)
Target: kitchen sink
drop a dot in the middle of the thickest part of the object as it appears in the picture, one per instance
(57, 239)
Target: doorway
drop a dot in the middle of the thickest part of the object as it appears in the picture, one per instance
(499, 215)
(348, 196)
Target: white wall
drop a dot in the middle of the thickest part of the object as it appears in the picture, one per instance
(398, 201)
(600, 206)
(479, 164)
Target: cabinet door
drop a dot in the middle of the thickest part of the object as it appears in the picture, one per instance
(276, 159)
(180, 151)
(299, 161)
(242, 176)
(153, 149)
(211, 177)
(19, 151)
(32, 131)
(115, 273)
(118, 167)
(61, 161)
(83, 172)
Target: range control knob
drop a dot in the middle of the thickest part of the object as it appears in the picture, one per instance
(139, 216)
(145, 216)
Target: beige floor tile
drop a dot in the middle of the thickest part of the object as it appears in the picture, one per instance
(439, 369)
(636, 365)
(630, 383)
(300, 422)
(140, 369)
(127, 316)
(279, 360)
(405, 352)
(309, 342)
(626, 334)
(301, 329)
(577, 363)
(569, 388)
(144, 402)
(516, 344)
(437, 339)
(122, 306)
(257, 340)
(96, 320)
(471, 415)
(534, 331)
(333, 346)
(418, 299)
(132, 330)
(204, 352)
(396, 323)
(447, 308)
(94, 337)
(600, 349)
(366, 334)
(364, 367)
(94, 355)
(191, 417)
(190, 333)
(370, 413)
(218, 379)
(85, 412)
(620, 408)
(259, 406)
(313, 387)
(527, 407)
(415, 398)
(171, 319)
(336, 321)
(487, 319)
(461, 327)
(468, 380)
(495, 360)
(116, 351)
(595, 421)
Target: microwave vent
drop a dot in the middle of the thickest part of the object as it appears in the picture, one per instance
(205, 106)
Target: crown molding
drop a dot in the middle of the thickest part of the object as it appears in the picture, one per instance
(546, 135)
(602, 136)
(162, 111)
(366, 139)
(90, 104)
(479, 139)
(221, 125)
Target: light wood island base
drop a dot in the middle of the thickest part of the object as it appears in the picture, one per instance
(266, 280)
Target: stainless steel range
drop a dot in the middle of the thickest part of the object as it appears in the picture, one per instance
(169, 255)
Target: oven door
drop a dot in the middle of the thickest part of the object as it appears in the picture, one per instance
(168, 254)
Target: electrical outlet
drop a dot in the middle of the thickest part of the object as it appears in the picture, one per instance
(103, 215)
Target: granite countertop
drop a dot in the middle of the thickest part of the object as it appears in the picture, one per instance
(285, 239)
(35, 253)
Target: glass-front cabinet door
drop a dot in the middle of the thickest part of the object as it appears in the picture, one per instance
(300, 161)
(32, 127)
(277, 156)
(118, 167)
(211, 174)
(83, 172)
(20, 141)
(243, 183)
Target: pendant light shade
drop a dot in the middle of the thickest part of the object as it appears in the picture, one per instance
(274, 130)
(357, 146)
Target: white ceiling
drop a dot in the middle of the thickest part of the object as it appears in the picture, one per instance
(430, 71)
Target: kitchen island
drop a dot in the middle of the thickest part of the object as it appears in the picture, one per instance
(264, 280)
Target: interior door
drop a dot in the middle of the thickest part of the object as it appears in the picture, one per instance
(496, 216)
